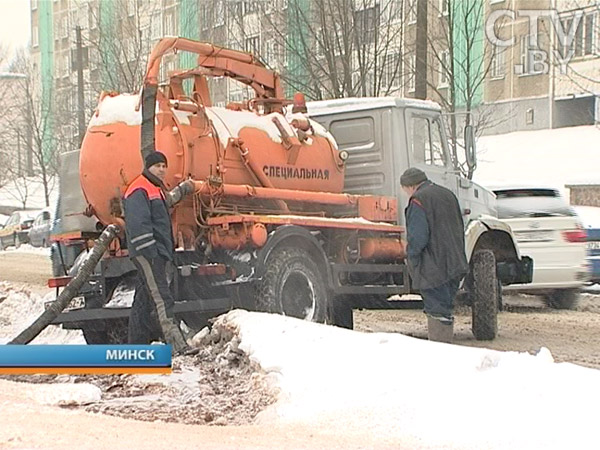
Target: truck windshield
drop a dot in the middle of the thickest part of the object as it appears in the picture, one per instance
(514, 203)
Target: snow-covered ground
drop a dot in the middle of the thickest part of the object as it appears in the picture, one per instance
(441, 395)
(19, 307)
(27, 248)
(385, 384)
(547, 157)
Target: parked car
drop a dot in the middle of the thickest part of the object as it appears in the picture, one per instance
(16, 229)
(590, 218)
(548, 230)
(39, 234)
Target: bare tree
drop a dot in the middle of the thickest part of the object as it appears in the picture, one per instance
(460, 61)
(29, 130)
(324, 48)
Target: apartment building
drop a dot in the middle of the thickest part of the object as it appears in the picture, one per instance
(512, 78)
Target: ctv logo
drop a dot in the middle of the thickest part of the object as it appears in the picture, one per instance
(536, 60)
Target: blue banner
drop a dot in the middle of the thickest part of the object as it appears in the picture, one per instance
(85, 356)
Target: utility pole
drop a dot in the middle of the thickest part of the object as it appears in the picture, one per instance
(421, 51)
(80, 97)
(19, 168)
(28, 131)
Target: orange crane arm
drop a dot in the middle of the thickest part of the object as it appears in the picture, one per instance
(242, 66)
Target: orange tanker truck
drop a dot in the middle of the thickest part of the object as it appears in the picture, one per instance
(285, 218)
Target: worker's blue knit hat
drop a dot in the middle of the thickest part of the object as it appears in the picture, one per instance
(155, 158)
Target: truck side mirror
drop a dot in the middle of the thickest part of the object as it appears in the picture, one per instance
(470, 150)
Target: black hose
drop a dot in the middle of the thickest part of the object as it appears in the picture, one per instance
(148, 113)
(70, 290)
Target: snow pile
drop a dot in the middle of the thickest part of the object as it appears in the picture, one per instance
(119, 108)
(19, 308)
(228, 123)
(405, 388)
(65, 394)
(547, 157)
(589, 215)
(29, 249)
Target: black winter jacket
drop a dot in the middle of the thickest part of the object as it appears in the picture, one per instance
(435, 234)
(147, 220)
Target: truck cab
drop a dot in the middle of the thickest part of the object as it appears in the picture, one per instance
(384, 136)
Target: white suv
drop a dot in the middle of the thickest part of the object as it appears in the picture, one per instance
(548, 230)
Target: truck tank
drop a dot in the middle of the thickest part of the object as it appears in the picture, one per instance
(248, 147)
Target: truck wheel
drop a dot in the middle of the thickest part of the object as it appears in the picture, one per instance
(562, 298)
(292, 286)
(341, 313)
(484, 295)
(111, 332)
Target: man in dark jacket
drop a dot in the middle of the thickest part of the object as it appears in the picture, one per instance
(436, 249)
(151, 248)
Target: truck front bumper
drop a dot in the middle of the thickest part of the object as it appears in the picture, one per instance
(516, 271)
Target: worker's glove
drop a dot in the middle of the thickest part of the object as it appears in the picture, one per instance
(181, 190)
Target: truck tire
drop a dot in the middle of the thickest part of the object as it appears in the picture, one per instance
(111, 332)
(484, 296)
(292, 286)
(562, 298)
(341, 313)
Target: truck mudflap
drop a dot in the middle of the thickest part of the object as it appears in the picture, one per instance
(515, 272)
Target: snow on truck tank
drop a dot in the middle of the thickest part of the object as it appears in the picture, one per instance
(197, 144)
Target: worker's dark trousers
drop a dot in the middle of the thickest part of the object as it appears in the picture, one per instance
(438, 302)
(152, 311)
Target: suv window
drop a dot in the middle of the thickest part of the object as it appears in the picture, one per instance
(513, 203)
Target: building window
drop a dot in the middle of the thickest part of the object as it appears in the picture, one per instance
(131, 7)
(444, 68)
(156, 26)
(444, 7)
(64, 27)
(35, 36)
(411, 11)
(252, 45)
(529, 116)
(65, 65)
(249, 7)
(219, 13)
(169, 24)
(583, 41)
(498, 62)
(366, 22)
(412, 68)
(271, 52)
(391, 71)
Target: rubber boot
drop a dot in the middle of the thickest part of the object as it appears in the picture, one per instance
(439, 331)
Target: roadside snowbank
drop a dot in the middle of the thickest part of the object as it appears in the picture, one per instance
(30, 249)
(546, 157)
(19, 307)
(402, 387)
